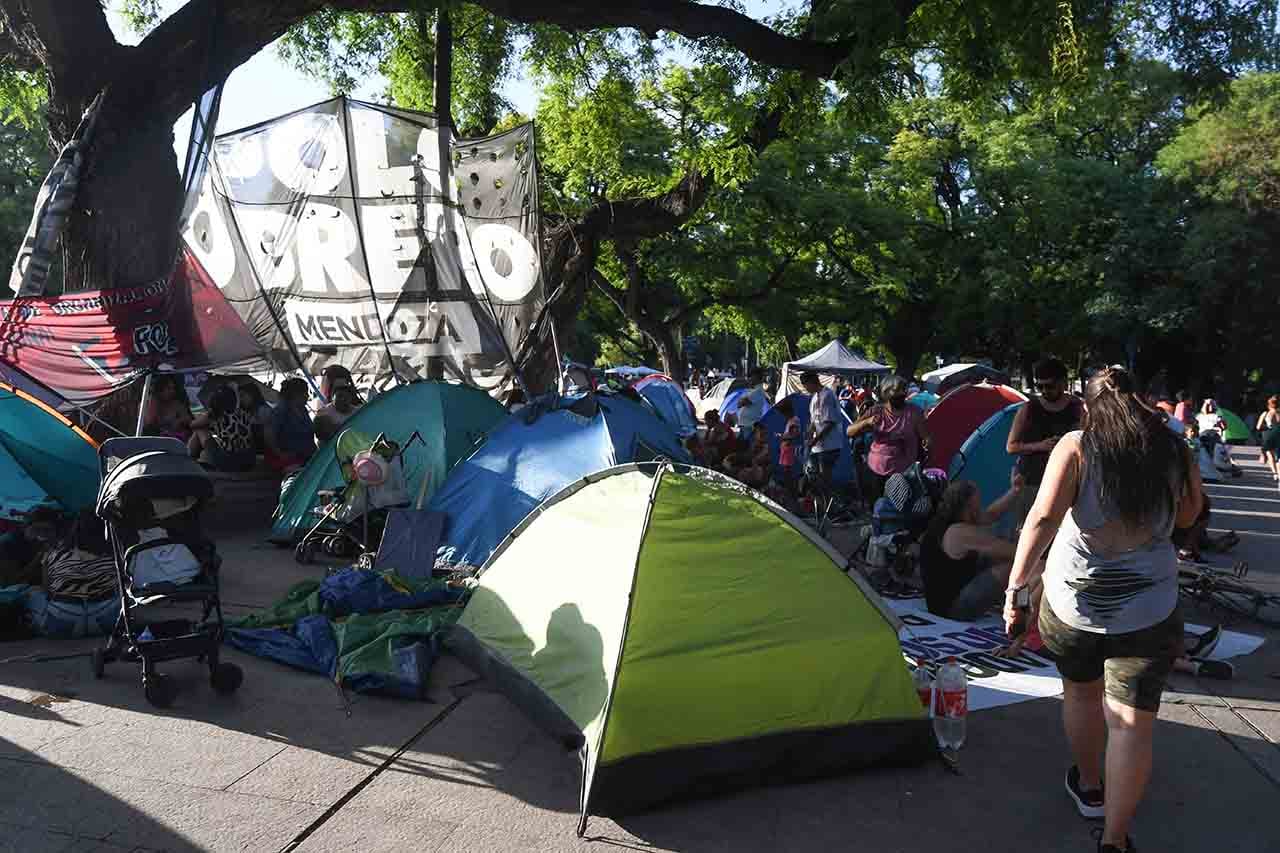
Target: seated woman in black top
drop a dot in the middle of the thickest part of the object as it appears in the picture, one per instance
(966, 566)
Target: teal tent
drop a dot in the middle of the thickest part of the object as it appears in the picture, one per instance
(45, 459)
(450, 419)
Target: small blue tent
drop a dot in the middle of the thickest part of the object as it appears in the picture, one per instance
(532, 456)
(45, 459)
(983, 457)
(450, 418)
(669, 401)
(775, 423)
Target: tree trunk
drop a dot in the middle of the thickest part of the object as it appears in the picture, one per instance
(664, 340)
(908, 331)
(123, 229)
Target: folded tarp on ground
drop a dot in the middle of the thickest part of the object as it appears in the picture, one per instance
(371, 632)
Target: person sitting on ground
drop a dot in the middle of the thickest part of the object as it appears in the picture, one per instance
(1209, 418)
(754, 466)
(898, 431)
(333, 376)
(330, 418)
(965, 566)
(290, 434)
(20, 549)
(79, 565)
(1039, 425)
(259, 412)
(697, 452)
(168, 412)
(789, 447)
(224, 434)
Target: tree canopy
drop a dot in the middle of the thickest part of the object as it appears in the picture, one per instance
(991, 178)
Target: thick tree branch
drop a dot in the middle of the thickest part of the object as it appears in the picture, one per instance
(769, 288)
(691, 20)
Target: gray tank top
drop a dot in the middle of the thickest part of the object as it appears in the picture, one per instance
(1107, 591)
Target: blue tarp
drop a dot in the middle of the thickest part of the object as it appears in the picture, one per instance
(775, 423)
(529, 459)
(373, 632)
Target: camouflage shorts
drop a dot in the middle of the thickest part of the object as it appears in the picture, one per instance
(1135, 666)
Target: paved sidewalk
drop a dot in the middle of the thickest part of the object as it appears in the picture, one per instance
(87, 765)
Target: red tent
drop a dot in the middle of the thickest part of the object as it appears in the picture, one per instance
(960, 413)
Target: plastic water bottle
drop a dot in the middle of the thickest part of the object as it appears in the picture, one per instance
(923, 682)
(952, 705)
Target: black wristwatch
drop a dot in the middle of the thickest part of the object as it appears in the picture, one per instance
(1021, 597)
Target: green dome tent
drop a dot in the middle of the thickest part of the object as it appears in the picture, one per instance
(1238, 431)
(451, 419)
(622, 618)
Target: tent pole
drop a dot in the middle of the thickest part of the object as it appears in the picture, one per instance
(142, 404)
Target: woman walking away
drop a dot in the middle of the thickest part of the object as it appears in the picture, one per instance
(1269, 426)
(1112, 496)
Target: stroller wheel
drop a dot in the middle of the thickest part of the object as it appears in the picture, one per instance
(333, 546)
(305, 553)
(98, 661)
(159, 691)
(226, 678)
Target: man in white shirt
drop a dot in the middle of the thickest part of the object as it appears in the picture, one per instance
(826, 435)
(751, 405)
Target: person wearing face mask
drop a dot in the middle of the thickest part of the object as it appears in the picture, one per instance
(1038, 425)
(898, 432)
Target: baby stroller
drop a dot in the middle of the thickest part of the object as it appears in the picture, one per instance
(151, 496)
(352, 517)
(899, 519)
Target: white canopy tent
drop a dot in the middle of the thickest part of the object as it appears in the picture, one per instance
(831, 362)
(944, 379)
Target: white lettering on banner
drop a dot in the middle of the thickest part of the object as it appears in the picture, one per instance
(432, 329)
(308, 153)
(508, 264)
(209, 237)
(376, 176)
(269, 236)
(326, 242)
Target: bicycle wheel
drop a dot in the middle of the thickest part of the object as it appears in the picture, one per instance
(1259, 606)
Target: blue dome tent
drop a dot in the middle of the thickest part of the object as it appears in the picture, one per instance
(669, 401)
(532, 456)
(983, 457)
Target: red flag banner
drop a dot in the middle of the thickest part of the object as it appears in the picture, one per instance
(86, 345)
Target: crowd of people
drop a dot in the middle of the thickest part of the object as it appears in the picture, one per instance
(1105, 497)
(238, 426)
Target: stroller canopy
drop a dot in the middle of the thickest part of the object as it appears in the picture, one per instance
(148, 469)
(535, 454)
(450, 419)
(45, 459)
